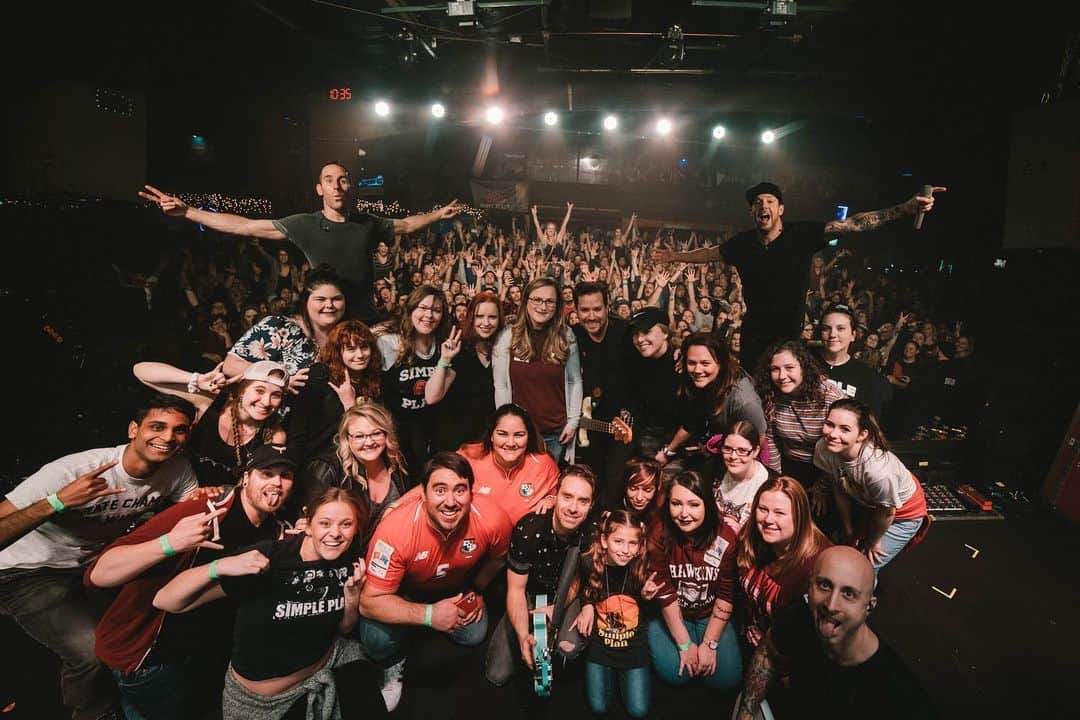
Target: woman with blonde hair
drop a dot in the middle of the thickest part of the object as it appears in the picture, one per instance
(536, 365)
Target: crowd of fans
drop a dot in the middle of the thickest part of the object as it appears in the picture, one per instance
(361, 448)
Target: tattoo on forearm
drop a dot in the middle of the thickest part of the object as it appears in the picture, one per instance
(757, 681)
(867, 220)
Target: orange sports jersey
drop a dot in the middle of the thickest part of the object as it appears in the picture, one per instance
(518, 491)
(409, 557)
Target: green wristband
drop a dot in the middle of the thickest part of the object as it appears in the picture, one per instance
(213, 570)
(443, 364)
(166, 546)
(56, 503)
(683, 647)
(427, 615)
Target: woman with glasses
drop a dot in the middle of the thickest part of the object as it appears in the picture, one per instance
(410, 357)
(744, 473)
(463, 384)
(368, 461)
(715, 391)
(535, 365)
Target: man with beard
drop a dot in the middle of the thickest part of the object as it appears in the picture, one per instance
(773, 258)
(162, 660)
(58, 519)
(543, 559)
(604, 347)
(428, 563)
(336, 234)
(838, 667)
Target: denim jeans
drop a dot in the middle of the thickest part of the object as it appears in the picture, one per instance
(634, 683)
(50, 605)
(554, 447)
(153, 692)
(896, 539)
(665, 654)
(384, 644)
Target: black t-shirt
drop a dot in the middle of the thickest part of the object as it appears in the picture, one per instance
(403, 390)
(537, 551)
(858, 380)
(881, 687)
(287, 618)
(602, 367)
(774, 277)
(214, 460)
(469, 404)
(349, 247)
(314, 415)
(654, 384)
(618, 635)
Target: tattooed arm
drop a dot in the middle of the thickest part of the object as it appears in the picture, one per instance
(759, 676)
(861, 222)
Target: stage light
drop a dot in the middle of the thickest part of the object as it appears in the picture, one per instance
(663, 126)
(437, 110)
(494, 115)
(719, 132)
(611, 122)
(382, 108)
(768, 136)
(551, 118)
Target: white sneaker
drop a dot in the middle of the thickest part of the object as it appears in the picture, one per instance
(392, 685)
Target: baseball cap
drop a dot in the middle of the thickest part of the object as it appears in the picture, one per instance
(268, 371)
(268, 456)
(763, 188)
(842, 309)
(646, 318)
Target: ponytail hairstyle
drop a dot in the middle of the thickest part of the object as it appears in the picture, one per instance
(866, 421)
(594, 566)
(347, 496)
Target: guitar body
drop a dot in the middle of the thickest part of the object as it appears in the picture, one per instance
(541, 651)
(586, 413)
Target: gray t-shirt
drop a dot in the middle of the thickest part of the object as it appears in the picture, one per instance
(878, 478)
(348, 247)
(73, 538)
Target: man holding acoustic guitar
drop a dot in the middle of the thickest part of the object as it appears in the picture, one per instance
(541, 565)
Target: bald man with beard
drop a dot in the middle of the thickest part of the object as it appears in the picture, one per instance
(838, 667)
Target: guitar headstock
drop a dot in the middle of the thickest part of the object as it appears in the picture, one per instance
(621, 430)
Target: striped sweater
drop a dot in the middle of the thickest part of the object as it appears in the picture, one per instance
(796, 425)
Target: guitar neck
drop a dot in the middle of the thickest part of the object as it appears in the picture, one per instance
(597, 425)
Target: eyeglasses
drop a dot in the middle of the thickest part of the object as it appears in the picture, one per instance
(736, 452)
(364, 437)
(546, 302)
(433, 309)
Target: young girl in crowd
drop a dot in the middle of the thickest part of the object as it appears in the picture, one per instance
(796, 397)
(744, 474)
(232, 420)
(692, 563)
(409, 359)
(776, 552)
(536, 365)
(716, 393)
(880, 502)
(348, 372)
(613, 594)
(463, 384)
(296, 600)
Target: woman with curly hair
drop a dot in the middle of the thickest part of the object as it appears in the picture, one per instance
(716, 393)
(776, 551)
(409, 359)
(796, 396)
(348, 373)
(536, 365)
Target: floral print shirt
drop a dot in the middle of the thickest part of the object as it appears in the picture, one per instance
(280, 339)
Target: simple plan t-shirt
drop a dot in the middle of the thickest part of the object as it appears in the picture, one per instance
(73, 538)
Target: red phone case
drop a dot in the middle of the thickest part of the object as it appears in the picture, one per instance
(468, 602)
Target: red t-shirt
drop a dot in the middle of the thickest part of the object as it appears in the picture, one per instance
(540, 388)
(517, 492)
(694, 578)
(409, 557)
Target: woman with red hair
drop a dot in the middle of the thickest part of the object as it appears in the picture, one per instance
(348, 372)
(463, 386)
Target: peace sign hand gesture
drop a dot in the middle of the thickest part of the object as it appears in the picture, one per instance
(451, 346)
(169, 204)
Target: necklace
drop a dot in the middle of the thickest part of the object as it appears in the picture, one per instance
(622, 591)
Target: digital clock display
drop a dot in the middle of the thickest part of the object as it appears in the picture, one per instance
(339, 94)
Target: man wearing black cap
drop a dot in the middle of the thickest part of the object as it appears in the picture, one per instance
(161, 659)
(773, 258)
(651, 374)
